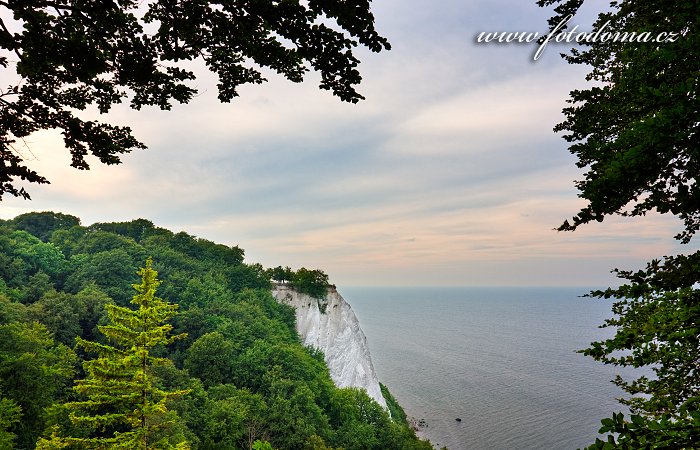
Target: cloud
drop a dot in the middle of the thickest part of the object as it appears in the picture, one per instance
(449, 172)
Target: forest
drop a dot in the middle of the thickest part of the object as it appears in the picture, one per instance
(127, 335)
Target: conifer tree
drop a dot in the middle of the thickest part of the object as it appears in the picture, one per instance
(122, 406)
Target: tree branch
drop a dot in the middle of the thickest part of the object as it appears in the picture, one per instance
(12, 37)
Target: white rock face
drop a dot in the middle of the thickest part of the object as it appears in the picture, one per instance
(337, 333)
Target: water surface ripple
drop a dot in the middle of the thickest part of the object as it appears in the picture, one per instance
(502, 359)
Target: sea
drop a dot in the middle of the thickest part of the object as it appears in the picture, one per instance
(492, 368)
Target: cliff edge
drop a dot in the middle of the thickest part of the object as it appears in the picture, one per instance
(331, 326)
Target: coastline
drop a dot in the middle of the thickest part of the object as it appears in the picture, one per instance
(419, 427)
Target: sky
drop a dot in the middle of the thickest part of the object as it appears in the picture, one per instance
(448, 173)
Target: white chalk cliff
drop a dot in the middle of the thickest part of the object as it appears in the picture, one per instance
(331, 326)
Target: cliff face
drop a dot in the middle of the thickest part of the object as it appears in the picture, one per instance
(331, 326)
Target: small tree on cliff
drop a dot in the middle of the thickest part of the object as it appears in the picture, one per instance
(311, 282)
(123, 408)
(282, 274)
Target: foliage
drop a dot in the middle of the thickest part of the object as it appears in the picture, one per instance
(210, 358)
(61, 314)
(43, 224)
(98, 241)
(395, 409)
(644, 433)
(293, 412)
(137, 229)
(10, 415)
(38, 255)
(656, 328)
(210, 288)
(11, 311)
(282, 274)
(124, 408)
(73, 55)
(311, 282)
(67, 316)
(33, 372)
(262, 445)
(204, 250)
(248, 376)
(243, 276)
(110, 270)
(635, 131)
(359, 420)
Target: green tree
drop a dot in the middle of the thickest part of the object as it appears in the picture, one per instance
(43, 224)
(36, 286)
(311, 282)
(67, 239)
(635, 131)
(96, 241)
(11, 311)
(33, 374)
(10, 415)
(70, 55)
(262, 445)
(136, 229)
(207, 289)
(359, 420)
(61, 313)
(92, 302)
(282, 274)
(293, 415)
(68, 316)
(124, 408)
(248, 376)
(110, 270)
(231, 419)
(243, 276)
(395, 410)
(210, 358)
(38, 255)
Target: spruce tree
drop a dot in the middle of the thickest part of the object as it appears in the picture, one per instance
(122, 408)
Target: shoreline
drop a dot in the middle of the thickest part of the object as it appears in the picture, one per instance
(419, 426)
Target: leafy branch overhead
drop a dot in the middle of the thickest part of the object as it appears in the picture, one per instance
(69, 55)
(636, 131)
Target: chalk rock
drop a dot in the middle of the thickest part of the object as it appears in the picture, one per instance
(330, 325)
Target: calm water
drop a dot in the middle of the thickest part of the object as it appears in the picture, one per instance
(501, 359)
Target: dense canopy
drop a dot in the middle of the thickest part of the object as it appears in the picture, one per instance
(237, 374)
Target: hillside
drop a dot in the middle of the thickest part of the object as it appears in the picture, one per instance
(246, 374)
